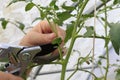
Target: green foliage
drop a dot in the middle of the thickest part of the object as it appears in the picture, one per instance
(74, 0)
(68, 8)
(117, 77)
(14, 1)
(69, 31)
(54, 13)
(103, 0)
(90, 31)
(53, 4)
(116, 2)
(99, 62)
(29, 6)
(20, 25)
(102, 57)
(62, 16)
(115, 36)
(3, 23)
(57, 41)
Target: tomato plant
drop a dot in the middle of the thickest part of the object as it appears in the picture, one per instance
(60, 14)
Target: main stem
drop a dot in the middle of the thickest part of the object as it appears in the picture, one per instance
(107, 52)
(64, 65)
(65, 62)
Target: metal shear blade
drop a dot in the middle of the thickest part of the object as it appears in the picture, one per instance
(5, 49)
(20, 57)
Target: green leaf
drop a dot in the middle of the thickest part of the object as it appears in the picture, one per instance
(115, 36)
(57, 41)
(74, 0)
(56, 7)
(117, 77)
(42, 15)
(86, 16)
(69, 31)
(102, 57)
(29, 6)
(38, 18)
(4, 24)
(70, 8)
(14, 1)
(103, 0)
(62, 16)
(21, 25)
(99, 62)
(116, 2)
(53, 2)
(89, 32)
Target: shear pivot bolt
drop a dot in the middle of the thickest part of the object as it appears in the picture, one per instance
(26, 56)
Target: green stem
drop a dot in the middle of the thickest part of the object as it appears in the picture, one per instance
(72, 74)
(75, 69)
(64, 65)
(90, 73)
(16, 25)
(53, 27)
(107, 52)
(99, 37)
(55, 63)
(60, 52)
(65, 62)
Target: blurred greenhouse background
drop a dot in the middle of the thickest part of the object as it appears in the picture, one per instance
(12, 35)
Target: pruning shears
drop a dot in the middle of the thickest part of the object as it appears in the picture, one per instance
(20, 57)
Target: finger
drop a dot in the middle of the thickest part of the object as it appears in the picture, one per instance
(12, 77)
(8, 76)
(42, 38)
(61, 33)
(2, 76)
(43, 27)
(46, 27)
(35, 38)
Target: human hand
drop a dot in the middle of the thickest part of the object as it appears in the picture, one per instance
(8, 76)
(41, 34)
